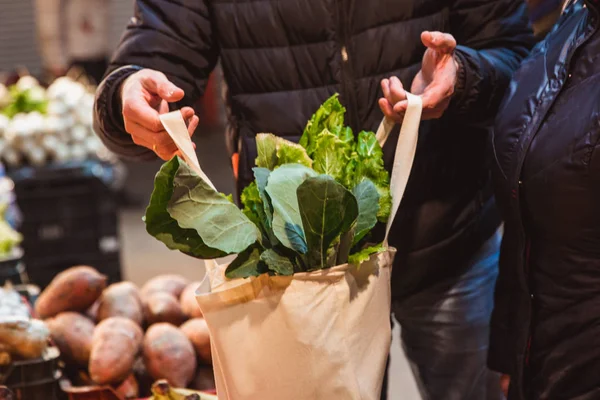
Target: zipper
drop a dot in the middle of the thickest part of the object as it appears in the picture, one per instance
(347, 79)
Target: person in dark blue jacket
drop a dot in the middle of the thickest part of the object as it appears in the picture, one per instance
(282, 59)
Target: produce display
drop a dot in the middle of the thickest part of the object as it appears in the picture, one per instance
(312, 205)
(9, 237)
(39, 126)
(21, 337)
(108, 336)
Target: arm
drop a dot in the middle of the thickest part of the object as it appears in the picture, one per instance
(493, 37)
(174, 37)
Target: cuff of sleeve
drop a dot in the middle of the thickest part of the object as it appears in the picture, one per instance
(460, 91)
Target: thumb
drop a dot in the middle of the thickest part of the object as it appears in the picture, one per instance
(438, 41)
(157, 83)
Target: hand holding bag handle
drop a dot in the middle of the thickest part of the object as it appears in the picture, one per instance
(403, 159)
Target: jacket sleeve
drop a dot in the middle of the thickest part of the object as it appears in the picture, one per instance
(493, 37)
(175, 37)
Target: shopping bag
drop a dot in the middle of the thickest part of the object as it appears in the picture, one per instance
(315, 335)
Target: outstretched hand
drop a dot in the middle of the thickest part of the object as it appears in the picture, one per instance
(435, 81)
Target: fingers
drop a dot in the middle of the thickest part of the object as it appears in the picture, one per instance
(157, 83)
(438, 41)
(394, 94)
(160, 142)
(389, 112)
(193, 124)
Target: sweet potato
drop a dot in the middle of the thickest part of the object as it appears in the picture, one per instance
(163, 307)
(92, 312)
(75, 289)
(115, 345)
(121, 300)
(169, 355)
(172, 284)
(72, 334)
(129, 388)
(196, 331)
(189, 305)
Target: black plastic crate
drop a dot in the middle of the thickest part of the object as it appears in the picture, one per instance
(69, 217)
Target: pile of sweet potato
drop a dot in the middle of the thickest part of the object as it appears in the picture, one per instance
(121, 334)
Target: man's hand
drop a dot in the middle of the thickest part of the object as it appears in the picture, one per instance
(505, 384)
(145, 95)
(434, 83)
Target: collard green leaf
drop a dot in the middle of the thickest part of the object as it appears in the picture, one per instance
(163, 227)
(328, 211)
(331, 155)
(287, 222)
(292, 153)
(247, 263)
(266, 147)
(277, 263)
(329, 116)
(220, 224)
(366, 253)
(368, 206)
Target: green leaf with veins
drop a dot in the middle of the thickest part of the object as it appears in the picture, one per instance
(287, 222)
(277, 263)
(163, 227)
(247, 263)
(368, 206)
(328, 210)
(221, 225)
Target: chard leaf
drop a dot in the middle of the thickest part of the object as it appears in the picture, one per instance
(368, 206)
(220, 224)
(366, 253)
(329, 116)
(292, 153)
(328, 210)
(331, 155)
(266, 147)
(287, 222)
(166, 229)
(277, 263)
(247, 263)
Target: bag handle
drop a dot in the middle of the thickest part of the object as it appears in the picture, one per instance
(403, 158)
(405, 152)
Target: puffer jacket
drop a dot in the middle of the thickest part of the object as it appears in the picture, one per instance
(546, 322)
(282, 59)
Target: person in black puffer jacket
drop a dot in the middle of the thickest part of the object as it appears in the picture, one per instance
(282, 59)
(546, 320)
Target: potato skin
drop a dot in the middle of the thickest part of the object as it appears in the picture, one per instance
(121, 300)
(172, 284)
(189, 305)
(168, 354)
(72, 334)
(196, 331)
(115, 345)
(74, 289)
(163, 307)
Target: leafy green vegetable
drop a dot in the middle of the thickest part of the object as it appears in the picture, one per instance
(196, 205)
(369, 164)
(331, 155)
(364, 254)
(368, 205)
(25, 101)
(162, 226)
(274, 151)
(328, 210)
(308, 208)
(277, 263)
(329, 116)
(247, 263)
(287, 222)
